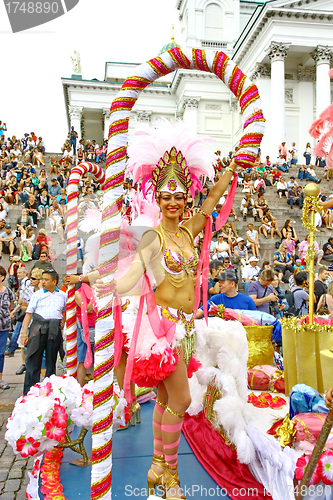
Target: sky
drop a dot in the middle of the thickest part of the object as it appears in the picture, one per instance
(33, 62)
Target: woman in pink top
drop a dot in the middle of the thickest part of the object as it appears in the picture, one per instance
(291, 245)
(303, 248)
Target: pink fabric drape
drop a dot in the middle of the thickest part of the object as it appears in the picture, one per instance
(227, 205)
(161, 327)
(205, 250)
(87, 295)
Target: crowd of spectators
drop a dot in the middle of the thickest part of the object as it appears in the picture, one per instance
(40, 193)
(236, 278)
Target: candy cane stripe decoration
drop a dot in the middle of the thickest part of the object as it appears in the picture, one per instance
(72, 197)
(253, 127)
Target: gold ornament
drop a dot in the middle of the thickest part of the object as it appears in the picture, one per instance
(259, 339)
(212, 395)
(286, 431)
(312, 189)
(310, 207)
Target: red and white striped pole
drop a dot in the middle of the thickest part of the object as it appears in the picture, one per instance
(72, 221)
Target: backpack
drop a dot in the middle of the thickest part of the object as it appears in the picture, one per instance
(36, 253)
(290, 297)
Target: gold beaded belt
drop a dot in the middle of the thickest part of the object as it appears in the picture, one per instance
(188, 342)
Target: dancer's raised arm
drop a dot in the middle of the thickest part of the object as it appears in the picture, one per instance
(197, 223)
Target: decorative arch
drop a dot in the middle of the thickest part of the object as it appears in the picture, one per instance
(246, 92)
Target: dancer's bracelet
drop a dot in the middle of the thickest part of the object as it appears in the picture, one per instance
(229, 169)
(202, 212)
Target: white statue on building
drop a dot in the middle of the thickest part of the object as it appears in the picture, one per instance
(76, 61)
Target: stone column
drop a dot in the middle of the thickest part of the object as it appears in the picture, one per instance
(75, 113)
(306, 78)
(261, 76)
(190, 107)
(106, 116)
(322, 56)
(277, 52)
(235, 112)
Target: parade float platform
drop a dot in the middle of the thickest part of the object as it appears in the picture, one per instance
(132, 458)
(132, 451)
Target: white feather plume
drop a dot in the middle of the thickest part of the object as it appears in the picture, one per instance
(91, 221)
(224, 363)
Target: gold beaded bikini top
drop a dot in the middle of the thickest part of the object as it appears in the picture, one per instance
(174, 263)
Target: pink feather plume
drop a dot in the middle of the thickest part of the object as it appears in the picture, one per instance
(150, 145)
(322, 129)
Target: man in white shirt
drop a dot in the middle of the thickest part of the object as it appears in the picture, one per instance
(247, 207)
(68, 154)
(45, 330)
(250, 272)
(30, 142)
(281, 164)
(15, 151)
(312, 175)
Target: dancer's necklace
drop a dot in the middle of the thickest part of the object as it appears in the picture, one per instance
(177, 233)
(181, 247)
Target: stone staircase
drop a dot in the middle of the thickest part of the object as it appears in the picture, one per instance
(282, 211)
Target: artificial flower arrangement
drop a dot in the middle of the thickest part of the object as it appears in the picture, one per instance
(39, 423)
(323, 471)
(40, 419)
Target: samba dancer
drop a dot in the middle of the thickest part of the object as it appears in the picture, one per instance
(161, 352)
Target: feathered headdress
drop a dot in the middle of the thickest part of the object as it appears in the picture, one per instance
(170, 158)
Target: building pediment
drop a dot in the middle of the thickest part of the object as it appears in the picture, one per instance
(314, 12)
(318, 5)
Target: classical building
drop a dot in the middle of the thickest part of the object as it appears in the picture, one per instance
(285, 47)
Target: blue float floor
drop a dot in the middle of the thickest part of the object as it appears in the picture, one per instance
(132, 450)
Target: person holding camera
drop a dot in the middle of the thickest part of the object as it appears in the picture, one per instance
(276, 308)
(3, 128)
(262, 291)
(301, 297)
